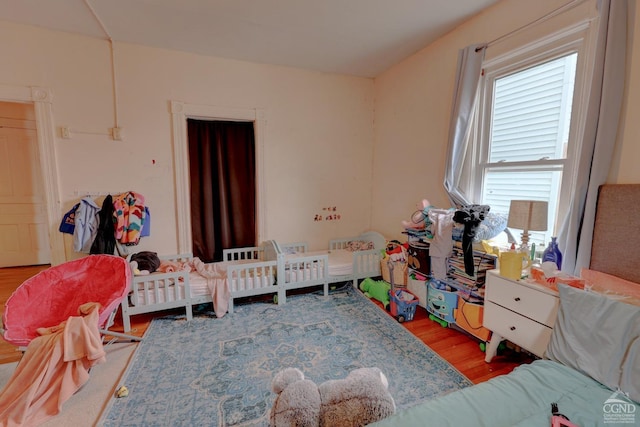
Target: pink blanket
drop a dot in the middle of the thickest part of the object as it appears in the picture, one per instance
(54, 366)
(216, 275)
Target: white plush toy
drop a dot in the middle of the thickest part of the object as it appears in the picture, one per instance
(360, 399)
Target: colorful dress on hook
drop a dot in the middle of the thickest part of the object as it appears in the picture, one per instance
(128, 210)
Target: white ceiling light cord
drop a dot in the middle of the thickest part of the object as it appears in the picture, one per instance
(113, 64)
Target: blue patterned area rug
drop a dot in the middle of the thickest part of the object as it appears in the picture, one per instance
(218, 371)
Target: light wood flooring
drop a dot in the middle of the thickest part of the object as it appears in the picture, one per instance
(461, 350)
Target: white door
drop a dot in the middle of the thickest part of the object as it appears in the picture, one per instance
(24, 237)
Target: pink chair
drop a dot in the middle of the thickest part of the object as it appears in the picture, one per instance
(53, 295)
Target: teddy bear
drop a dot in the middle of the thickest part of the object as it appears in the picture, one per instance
(357, 400)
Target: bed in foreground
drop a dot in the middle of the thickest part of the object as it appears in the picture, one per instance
(591, 371)
(591, 368)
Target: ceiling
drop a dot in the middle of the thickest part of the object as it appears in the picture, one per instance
(354, 37)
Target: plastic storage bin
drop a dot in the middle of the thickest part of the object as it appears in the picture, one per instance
(442, 300)
(419, 289)
(403, 304)
(468, 316)
(418, 257)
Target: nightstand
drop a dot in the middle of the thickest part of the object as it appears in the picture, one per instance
(519, 311)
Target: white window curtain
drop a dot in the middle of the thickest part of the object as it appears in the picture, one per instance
(464, 100)
(607, 88)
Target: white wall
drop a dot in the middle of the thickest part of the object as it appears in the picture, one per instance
(413, 103)
(370, 149)
(317, 147)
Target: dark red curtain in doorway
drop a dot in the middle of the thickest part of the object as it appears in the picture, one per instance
(223, 186)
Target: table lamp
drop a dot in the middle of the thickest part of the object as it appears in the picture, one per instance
(528, 215)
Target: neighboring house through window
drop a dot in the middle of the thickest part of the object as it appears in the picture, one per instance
(527, 129)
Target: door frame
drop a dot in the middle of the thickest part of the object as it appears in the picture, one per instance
(180, 112)
(42, 100)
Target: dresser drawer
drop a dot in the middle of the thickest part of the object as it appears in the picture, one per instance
(528, 301)
(520, 330)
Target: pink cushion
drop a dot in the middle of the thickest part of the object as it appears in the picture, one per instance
(53, 295)
(612, 286)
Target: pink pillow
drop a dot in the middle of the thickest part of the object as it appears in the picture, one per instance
(611, 286)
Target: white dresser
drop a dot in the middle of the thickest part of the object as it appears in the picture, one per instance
(518, 311)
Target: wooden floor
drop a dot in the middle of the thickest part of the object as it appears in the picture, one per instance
(461, 350)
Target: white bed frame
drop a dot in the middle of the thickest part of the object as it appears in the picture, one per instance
(173, 289)
(365, 263)
(301, 271)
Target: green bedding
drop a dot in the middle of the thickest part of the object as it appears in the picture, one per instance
(523, 398)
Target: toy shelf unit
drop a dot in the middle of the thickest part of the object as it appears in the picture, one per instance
(459, 299)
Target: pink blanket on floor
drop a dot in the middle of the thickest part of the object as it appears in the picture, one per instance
(54, 366)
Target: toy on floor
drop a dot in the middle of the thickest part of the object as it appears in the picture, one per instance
(360, 399)
(376, 289)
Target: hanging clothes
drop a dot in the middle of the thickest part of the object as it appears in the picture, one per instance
(86, 225)
(442, 242)
(146, 226)
(129, 217)
(68, 223)
(105, 241)
(470, 216)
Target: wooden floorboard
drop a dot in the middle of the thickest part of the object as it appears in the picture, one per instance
(458, 348)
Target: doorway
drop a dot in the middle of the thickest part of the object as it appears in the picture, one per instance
(40, 99)
(222, 186)
(180, 113)
(24, 235)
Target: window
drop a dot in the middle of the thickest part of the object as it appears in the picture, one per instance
(527, 128)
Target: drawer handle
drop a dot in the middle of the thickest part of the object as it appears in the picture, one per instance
(517, 299)
(513, 328)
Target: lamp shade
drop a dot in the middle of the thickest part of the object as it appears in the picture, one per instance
(528, 215)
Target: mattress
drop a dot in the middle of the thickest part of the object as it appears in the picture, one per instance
(522, 398)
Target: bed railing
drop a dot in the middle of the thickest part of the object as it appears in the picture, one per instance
(342, 243)
(294, 248)
(187, 256)
(366, 263)
(159, 291)
(252, 279)
(239, 254)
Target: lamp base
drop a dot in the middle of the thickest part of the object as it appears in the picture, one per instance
(524, 246)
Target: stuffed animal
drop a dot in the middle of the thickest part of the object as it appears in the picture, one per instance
(359, 399)
(376, 289)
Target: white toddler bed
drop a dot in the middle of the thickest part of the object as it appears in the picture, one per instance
(349, 258)
(298, 269)
(244, 272)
